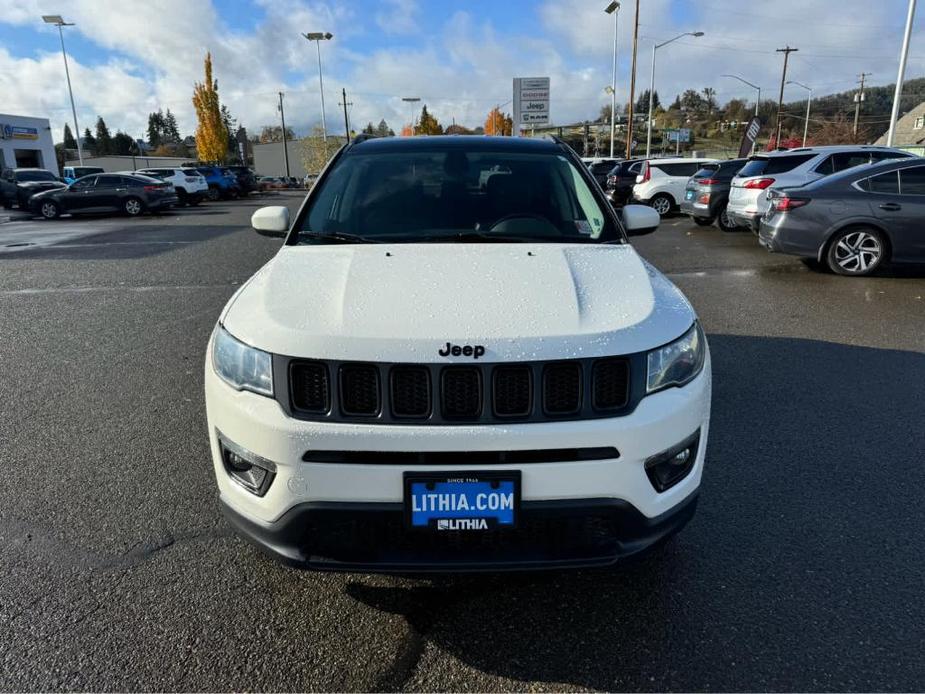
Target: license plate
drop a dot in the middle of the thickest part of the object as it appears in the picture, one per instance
(689, 195)
(462, 501)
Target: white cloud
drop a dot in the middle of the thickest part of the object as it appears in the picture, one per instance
(461, 68)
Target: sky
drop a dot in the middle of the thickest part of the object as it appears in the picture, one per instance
(131, 57)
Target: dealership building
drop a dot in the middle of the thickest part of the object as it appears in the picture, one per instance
(26, 143)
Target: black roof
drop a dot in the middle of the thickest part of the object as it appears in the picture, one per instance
(480, 143)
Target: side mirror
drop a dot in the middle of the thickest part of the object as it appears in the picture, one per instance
(271, 221)
(639, 220)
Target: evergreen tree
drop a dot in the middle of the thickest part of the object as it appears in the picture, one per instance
(122, 143)
(89, 141)
(171, 131)
(428, 125)
(155, 128)
(383, 129)
(69, 141)
(369, 129)
(229, 123)
(103, 138)
(642, 103)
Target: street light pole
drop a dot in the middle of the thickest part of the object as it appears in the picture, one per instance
(904, 53)
(318, 37)
(614, 9)
(412, 100)
(809, 101)
(58, 21)
(655, 47)
(757, 100)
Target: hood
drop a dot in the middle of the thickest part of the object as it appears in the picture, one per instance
(404, 302)
(41, 185)
(45, 188)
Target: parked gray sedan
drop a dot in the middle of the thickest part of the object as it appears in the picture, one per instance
(852, 221)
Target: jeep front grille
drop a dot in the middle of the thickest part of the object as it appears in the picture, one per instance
(459, 393)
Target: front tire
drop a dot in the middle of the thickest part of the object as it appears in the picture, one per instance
(856, 251)
(50, 210)
(214, 193)
(133, 207)
(662, 204)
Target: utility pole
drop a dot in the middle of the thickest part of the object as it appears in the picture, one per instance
(858, 98)
(282, 115)
(783, 79)
(614, 9)
(904, 54)
(629, 123)
(345, 104)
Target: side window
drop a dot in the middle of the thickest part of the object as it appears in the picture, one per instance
(108, 181)
(84, 183)
(884, 183)
(827, 166)
(883, 156)
(845, 160)
(636, 168)
(912, 181)
(129, 182)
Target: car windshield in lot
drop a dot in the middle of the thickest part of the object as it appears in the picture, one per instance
(764, 166)
(27, 176)
(451, 194)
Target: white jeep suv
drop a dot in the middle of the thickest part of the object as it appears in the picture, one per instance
(748, 197)
(662, 182)
(447, 370)
(191, 186)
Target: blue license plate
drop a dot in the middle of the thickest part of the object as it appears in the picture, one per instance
(689, 195)
(464, 501)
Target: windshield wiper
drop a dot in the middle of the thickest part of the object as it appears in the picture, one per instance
(338, 237)
(473, 236)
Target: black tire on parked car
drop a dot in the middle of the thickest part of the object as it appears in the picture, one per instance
(49, 209)
(703, 221)
(724, 222)
(133, 207)
(856, 251)
(182, 198)
(214, 193)
(662, 203)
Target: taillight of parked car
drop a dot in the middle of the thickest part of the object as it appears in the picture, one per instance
(646, 172)
(759, 183)
(785, 203)
(707, 181)
(152, 189)
(704, 199)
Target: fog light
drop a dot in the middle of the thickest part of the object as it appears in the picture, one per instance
(669, 467)
(248, 469)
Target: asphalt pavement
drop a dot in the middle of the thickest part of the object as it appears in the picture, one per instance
(803, 569)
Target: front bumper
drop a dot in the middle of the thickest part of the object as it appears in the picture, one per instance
(308, 503)
(372, 537)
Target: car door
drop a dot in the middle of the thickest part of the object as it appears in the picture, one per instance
(109, 190)
(898, 199)
(79, 195)
(680, 174)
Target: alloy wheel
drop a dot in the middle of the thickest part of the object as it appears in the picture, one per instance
(858, 251)
(133, 207)
(49, 210)
(661, 205)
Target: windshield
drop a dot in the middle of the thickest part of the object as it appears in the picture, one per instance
(447, 194)
(763, 166)
(25, 176)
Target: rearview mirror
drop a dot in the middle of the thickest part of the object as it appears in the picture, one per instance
(639, 220)
(271, 221)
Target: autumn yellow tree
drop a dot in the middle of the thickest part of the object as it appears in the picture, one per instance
(211, 135)
(498, 123)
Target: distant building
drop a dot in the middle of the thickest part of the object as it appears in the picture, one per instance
(118, 162)
(269, 159)
(910, 131)
(26, 143)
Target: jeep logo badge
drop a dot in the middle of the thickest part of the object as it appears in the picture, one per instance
(451, 350)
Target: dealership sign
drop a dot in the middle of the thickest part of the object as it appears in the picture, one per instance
(531, 101)
(14, 132)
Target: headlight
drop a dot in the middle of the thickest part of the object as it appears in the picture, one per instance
(240, 365)
(678, 362)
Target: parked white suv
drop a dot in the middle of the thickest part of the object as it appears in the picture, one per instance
(748, 198)
(436, 373)
(662, 182)
(191, 186)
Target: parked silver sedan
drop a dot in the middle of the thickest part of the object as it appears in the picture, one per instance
(853, 221)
